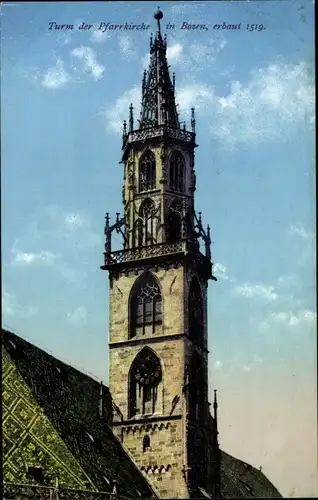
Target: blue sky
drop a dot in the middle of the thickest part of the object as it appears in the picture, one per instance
(64, 97)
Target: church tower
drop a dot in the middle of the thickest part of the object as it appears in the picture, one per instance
(158, 341)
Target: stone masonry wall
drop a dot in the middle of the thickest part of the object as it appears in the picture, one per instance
(163, 462)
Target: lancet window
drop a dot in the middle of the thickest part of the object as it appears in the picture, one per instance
(144, 381)
(147, 171)
(176, 171)
(145, 306)
(174, 224)
(147, 223)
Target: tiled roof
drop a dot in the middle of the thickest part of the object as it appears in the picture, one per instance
(71, 401)
(241, 480)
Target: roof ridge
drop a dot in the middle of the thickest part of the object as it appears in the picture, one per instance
(50, 353)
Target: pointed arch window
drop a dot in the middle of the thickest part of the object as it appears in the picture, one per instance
(195, 311)
(174, 223)
(147, 224)
(174, 227)
(147, 172)
(145, 306)
(144, 380)
(176, 172)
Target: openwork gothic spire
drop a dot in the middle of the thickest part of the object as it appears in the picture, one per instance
(158, 105)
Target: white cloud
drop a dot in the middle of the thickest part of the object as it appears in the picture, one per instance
(288, 280)
(268, 107)
(300, 231)
(275, 99)
(199, 96)
(12, 308)
(56, 77)
(250, 290)
(99, 36)
(126, 46)
(64, 37)
(74, 221)
(289, 318)
(58, 227)
(196, 55)
(55, 223)
(220, 271)
(285, 317)
(116, 114)
(145, 61)
(88, 62)
(29, 258)
(78, 316)
(8, 304)
(293, 318)
(174, 52)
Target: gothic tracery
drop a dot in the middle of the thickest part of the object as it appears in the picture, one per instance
(145, 305)
(144, 380)
(147, 223)
(176, 171)
(147, 172)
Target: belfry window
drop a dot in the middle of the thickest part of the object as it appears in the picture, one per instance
(176, 171)
(174, 224)
(195, 311)
(145, 305)
(147, 172)
(147, 224)
(144, 380)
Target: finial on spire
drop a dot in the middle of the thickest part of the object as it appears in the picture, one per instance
(158, 15)
(106, 222)
(131, 118)
(124, 129)
(192, 120)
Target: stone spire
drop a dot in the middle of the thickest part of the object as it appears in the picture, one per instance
(158, 105)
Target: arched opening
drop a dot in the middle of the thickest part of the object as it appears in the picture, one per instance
(144, 379)
(146, 443)
(145, 305)
(147, 171)
(176, 171)
(174, 227)
(195, 311)
(147, 224)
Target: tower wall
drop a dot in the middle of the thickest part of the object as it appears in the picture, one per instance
(158, 366)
